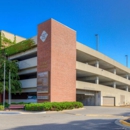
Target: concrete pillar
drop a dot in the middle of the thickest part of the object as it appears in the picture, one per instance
(97, 80)
(114, 71)
(127, 76)
(114, 85)
(127, 89)
(97, 64)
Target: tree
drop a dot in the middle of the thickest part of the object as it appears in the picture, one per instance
(11, 66)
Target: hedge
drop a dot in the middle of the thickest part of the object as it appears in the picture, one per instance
(1, 107)
(19, 47)
(52, 106)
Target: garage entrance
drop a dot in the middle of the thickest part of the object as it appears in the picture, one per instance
(108, 101)
(86, 97)
(87, 100)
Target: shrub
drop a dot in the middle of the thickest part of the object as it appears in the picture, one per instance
(6, 104)
(52, 106)
(1, 107)
(19, 47)
(34, 107)
(47, 106)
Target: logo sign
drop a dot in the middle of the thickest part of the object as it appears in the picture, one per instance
(43, 36)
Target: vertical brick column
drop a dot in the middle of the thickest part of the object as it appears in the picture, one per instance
(57, 54)
(63, 63)
(44, 54)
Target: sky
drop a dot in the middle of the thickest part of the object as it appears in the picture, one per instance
(110, 19)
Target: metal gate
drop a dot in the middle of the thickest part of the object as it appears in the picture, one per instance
(108, 101)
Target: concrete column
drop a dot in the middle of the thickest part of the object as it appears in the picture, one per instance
(114, 71)
(127, 89)
(97, 80)
(114, 85)
(127, 76)
(97, 64)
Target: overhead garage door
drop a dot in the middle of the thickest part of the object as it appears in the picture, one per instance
(109, 101)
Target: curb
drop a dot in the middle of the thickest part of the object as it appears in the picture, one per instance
(118, 122)
(20, 112)
(125, 123)
(34, 112)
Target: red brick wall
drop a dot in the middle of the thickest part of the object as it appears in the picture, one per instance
(58, 55)
(44, 48)
(44, 52)
(63, 63)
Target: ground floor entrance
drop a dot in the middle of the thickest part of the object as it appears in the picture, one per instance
(88, 98)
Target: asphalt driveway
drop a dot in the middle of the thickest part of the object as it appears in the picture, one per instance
(89, 118)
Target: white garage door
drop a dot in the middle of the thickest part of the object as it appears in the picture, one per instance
(109, 101)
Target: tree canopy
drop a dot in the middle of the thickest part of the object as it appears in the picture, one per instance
(11, 66)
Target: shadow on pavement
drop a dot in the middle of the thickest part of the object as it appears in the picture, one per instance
(92, 124)
(127, 114)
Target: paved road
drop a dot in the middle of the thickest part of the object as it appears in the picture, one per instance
(89, 118)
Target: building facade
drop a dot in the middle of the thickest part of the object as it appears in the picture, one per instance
(60, 69)
(6, 37)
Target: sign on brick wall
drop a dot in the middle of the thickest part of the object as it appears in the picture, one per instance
(43, 82)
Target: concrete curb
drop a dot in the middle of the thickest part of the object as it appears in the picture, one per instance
(117, 122)
(125, 123)
(20, 112)
(33, 112)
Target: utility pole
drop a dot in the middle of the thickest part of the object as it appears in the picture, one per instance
(9, 96)
(126, 60)
(4, 84)
(97, 42)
